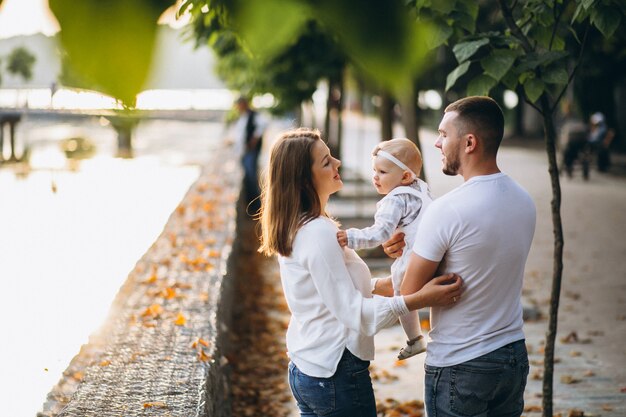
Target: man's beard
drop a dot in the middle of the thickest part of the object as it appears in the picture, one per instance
(452, 164)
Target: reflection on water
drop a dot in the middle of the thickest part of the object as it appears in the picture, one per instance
(64, 254)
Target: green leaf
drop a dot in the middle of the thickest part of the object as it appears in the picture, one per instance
(498, 63)
(268, 27)
(454, 75)
(510, 80)
(587, 3)
(533, 88)
(444, 6)
(439, 35)
(463, 51)
(464, 21)
(606, 19)
(480, 86)
(109, 43)
(533, 60)
(556, 75)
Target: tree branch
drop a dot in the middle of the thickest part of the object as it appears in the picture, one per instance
(533, 105)
(557, 19)
(515, 30)
(578, 62)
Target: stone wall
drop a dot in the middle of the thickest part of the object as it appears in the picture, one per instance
(161, 349)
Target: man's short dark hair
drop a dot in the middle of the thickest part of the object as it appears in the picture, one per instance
(481, 116)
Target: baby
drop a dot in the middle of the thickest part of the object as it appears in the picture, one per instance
(396, 164)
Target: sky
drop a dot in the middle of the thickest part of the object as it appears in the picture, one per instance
(26, 17)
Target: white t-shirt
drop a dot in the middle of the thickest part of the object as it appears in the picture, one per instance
(328, 292)
(482, 231)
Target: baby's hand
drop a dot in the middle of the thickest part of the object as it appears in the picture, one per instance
(342, 238)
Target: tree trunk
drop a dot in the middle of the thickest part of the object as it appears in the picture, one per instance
(411, 122)
(340, 102)
(386, 116)
(124, 126)
(557, 270)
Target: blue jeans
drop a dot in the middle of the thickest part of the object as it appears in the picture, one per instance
(348, 393)
(251, 180)
(490, 385)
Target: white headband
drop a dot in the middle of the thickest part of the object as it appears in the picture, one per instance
(396, 161)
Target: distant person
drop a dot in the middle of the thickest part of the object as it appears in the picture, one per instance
(600, 138)
(328, 288)
(396, 164)
(476, 359)
(249, 130)
(573, 143)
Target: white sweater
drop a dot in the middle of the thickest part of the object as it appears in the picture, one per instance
(327, 289)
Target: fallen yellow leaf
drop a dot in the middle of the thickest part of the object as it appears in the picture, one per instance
(180, 319)
(153, 311)
(203, 357)
(155, 404)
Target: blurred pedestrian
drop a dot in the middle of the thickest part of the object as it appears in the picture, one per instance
(249, 130)
(573, 143)
(600, 138)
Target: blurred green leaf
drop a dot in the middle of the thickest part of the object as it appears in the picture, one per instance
(480, 86)
(498, 63)
(606, 19)
(439, 35)
(556, 75)
(533, 88)
(379, 36)
(444, 6)
(110, 43)
(456, 74)
(20, 62)
(463, 51)
(269, 26)
(510, 80)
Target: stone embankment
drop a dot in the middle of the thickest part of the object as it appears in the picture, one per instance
(162, 349)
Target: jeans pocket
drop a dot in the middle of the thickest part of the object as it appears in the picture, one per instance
(318, 394)
(472, 388)
(431, 381)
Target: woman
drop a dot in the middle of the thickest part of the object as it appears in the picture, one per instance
(327, 288)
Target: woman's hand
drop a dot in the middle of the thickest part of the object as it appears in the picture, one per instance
(440, 291)
(393, 247)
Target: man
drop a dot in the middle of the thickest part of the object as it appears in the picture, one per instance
(250, 128)
(476, 361)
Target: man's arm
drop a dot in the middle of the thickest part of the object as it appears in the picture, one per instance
(418, 273)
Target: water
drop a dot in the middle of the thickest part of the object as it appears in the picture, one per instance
(68, 239)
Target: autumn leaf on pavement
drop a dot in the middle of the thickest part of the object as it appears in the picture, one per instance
(168, 293)
(203, 357)
(568, 379)
(155, 404)
(180, 319)
(399, 363)
(199, 341)
(105, 363)
(154, 311)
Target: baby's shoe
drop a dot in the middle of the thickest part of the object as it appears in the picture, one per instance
(412, 348)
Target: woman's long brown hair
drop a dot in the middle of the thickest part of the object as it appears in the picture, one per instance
(289, 197)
